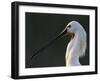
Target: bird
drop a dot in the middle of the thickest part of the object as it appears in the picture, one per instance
(77, 45)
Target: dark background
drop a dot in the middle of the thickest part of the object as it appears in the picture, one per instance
(42, 28)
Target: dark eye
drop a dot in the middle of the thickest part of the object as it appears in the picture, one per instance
(69, 26)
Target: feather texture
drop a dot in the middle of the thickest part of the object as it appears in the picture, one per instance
(77, 46)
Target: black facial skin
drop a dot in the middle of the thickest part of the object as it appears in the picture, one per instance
(69, 26)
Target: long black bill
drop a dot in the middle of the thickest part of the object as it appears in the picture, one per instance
(51, 42)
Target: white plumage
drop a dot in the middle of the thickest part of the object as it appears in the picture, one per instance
(77, 45)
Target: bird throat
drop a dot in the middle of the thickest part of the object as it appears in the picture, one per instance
(71, 35)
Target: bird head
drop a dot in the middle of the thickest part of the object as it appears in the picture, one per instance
(72, 28)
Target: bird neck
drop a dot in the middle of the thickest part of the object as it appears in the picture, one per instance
(73, 50)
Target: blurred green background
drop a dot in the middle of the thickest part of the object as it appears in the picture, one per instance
(41, 28)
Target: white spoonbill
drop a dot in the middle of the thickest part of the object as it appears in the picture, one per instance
(77, 45)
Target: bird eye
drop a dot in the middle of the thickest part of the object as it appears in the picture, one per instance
(69, 26)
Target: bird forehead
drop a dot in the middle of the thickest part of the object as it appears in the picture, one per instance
(73, 23)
